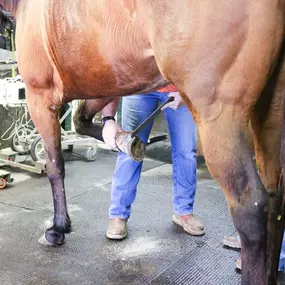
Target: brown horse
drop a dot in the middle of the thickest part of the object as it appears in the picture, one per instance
(226, 59)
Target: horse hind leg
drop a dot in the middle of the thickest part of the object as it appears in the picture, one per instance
(83, 117)
(44, 114)
(267, 125)
(229, 160)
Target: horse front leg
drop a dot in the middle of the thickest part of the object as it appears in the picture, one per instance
(44, 114)
(229, 160)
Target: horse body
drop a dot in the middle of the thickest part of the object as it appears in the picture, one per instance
(226, 59)
(90, 55)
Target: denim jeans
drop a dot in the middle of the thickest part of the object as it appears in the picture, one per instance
(182, 130)
(281, 266)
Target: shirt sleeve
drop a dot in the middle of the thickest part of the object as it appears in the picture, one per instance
(168, 88)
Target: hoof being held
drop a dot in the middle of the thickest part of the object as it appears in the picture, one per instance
(52, 238)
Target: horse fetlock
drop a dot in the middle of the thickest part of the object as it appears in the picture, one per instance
(62, 224)
(79, 124)
(84, 127)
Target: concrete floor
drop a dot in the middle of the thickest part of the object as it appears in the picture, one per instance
(156, 252)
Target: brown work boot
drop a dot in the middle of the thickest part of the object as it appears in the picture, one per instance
(232, 241)
(190, 224)
(238, 264)
(117, 229)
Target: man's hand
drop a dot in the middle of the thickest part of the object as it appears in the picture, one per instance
(174, 104)
(109, 132)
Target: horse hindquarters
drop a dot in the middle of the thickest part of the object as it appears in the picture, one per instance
(221, 74)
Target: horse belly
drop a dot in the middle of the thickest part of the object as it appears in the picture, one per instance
(96, 56)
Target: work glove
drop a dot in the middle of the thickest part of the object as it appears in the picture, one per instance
(109, 132)
(176, 103)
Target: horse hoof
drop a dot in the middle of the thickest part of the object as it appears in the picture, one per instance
(43, 241)
(52, 239)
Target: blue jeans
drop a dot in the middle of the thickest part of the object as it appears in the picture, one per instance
(281, 266)
(182, 130)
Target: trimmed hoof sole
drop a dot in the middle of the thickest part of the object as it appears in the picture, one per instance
(232, 242)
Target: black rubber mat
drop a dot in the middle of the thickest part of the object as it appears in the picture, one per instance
(156, 251)
(202, 266)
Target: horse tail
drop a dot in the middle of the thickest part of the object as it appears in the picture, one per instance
(10, 6)
(281, 184)
(282, 161)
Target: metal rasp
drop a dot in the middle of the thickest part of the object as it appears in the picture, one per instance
(151, 117)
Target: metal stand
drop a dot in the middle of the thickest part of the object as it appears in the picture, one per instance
(9, 158)
(5, 177)
(24, 138)
(69, 139)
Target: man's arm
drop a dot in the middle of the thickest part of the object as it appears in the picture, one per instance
(173, 92)
(110, 127)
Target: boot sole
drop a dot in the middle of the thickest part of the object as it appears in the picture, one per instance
(116, 237)
(231, 244)
(238, 264)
